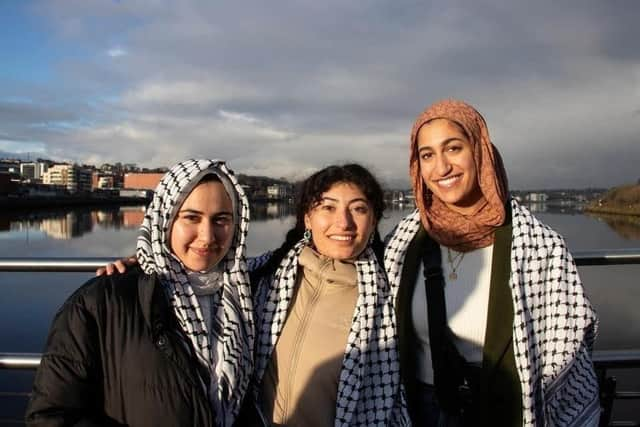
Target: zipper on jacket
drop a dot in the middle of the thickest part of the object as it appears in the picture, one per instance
(301, 334)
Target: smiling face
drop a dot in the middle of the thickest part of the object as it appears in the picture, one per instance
(202, 230)
(341, 222)
(447, 166)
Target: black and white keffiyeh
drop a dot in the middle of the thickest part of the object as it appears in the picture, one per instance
(369, 391)
(554, 326)
(226, 351)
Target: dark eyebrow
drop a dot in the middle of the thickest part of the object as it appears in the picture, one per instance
(197, 212)
(359, 199)
(444, 143)
(191, 211)
(331, 199)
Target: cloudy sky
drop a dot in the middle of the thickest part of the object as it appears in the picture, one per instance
(281, 88)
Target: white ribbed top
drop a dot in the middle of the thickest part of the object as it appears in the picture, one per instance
(467, 301)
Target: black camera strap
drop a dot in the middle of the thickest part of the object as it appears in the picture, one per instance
(448, 365)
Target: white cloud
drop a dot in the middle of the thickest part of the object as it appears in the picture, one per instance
(116, 52)
(284, 89)
(238, 117)
(21, 147)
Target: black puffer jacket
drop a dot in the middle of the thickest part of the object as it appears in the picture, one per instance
(115, 356)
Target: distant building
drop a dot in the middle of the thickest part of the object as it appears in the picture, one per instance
(43, 190)
(105, 182)
(9, 166)
(29, 171)
(142, 193)
(278, 191)
(73, 177)
(142, 181)
(34, 171)
(107, 179)
(537, 197)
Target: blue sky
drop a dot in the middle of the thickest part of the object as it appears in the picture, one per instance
(283, 88)
(27, 53)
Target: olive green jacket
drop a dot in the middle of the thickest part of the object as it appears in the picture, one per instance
(499, 388)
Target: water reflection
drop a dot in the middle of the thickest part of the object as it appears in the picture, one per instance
(75, 222)
(567, 207)
(72, 223)
(262, 211)
(627, 226)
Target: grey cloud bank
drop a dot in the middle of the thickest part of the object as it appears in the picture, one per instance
(283, 88)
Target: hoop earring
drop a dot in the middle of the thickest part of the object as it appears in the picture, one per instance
(307, 236)
(371, 238)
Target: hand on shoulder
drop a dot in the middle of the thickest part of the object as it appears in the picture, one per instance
(120, 266)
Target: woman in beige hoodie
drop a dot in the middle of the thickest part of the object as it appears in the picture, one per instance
(326, 349)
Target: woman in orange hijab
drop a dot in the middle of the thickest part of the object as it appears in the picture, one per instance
(494, 324)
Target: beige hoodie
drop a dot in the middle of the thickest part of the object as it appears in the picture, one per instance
(301, 382)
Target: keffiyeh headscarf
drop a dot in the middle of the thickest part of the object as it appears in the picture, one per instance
(369, 390)
(449, 228)
(226, 351)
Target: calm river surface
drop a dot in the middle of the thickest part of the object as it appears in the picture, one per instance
(29, 300)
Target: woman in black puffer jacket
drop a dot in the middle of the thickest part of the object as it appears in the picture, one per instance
(170, 342)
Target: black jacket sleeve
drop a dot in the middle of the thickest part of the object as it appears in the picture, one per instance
(68, 384)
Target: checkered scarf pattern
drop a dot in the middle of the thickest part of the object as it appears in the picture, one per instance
(554, 326)
(370, 392)
(226, 351)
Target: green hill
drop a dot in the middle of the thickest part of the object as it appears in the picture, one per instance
(624, 200)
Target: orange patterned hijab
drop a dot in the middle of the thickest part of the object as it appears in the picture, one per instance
(449, 228)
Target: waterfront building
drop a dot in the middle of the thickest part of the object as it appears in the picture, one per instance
(537, 197)
(105, 179)
(142, 181)
(9, 166)
(37, 189)
(29, 171)
(34, 171)
(73, 177)
(131, 192)
(278, 191)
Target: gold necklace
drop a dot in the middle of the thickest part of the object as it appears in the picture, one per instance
(454, 262)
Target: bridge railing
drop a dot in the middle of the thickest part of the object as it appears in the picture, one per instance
(604, 360)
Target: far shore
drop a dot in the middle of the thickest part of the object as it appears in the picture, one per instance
(614, 210)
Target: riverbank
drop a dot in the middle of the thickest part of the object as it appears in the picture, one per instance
(624, 200)
(614, 210)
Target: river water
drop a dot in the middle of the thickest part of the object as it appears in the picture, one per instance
(29, 300)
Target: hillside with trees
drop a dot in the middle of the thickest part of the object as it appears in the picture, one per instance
(624, 200)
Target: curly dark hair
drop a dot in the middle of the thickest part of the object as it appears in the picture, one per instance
(311, 190)
(310, 193)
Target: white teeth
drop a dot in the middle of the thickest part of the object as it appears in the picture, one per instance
(447, 182)
(341, 238)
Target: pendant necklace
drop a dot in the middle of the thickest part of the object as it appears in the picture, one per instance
(454, 262)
